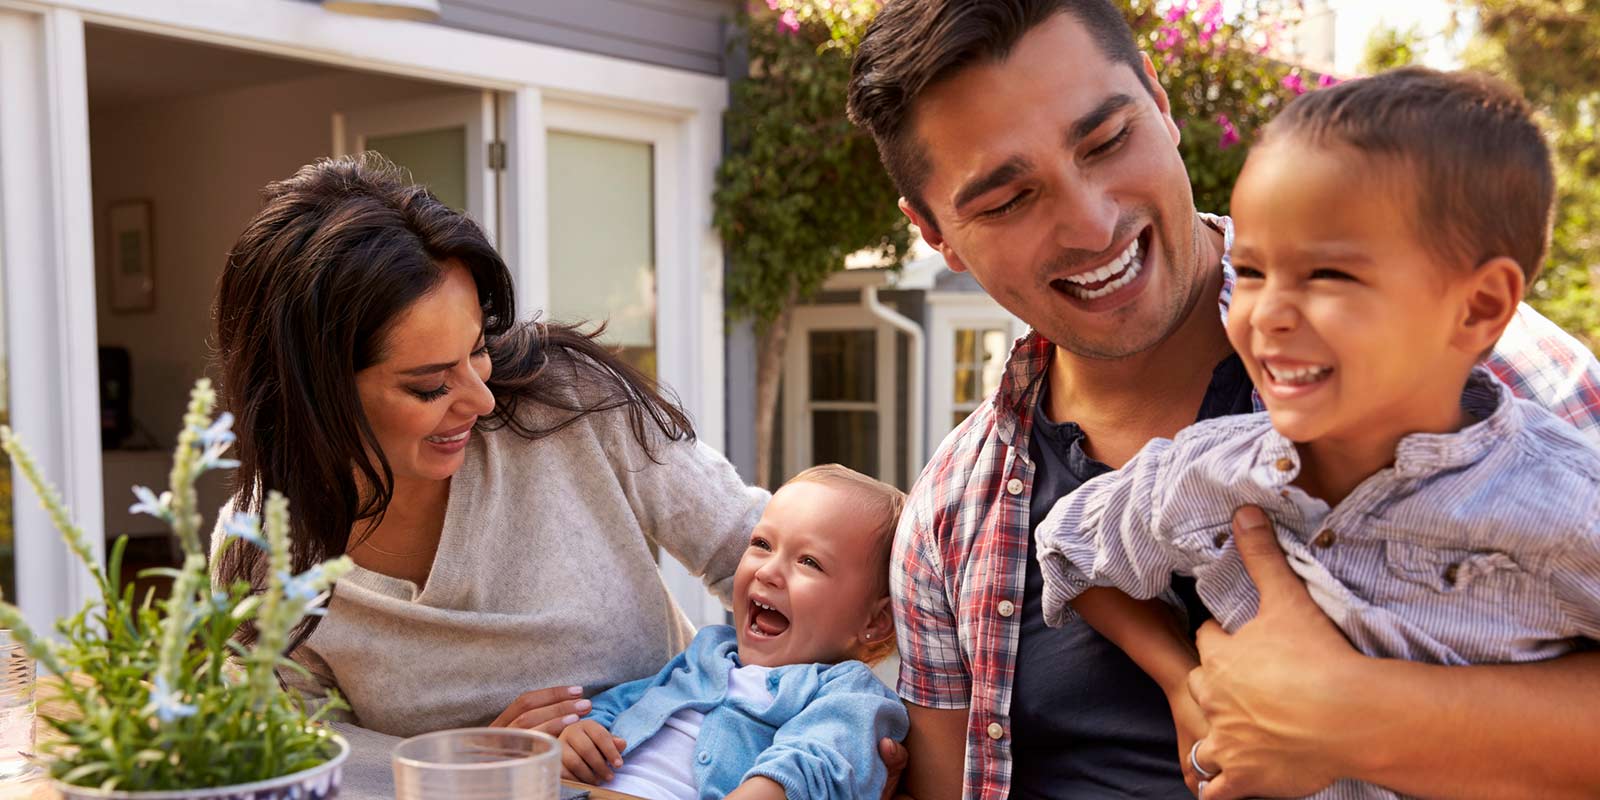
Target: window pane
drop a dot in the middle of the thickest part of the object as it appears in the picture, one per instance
(844, 365)
(602, 239)
(436, 159)
(846, 437)
(966, 385)
(966, 345)
(996, 345)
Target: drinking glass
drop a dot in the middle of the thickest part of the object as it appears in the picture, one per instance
(478, 764)
(16, 706)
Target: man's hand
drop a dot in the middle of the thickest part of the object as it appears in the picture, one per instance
(894, 757)
(547, 710)
(1271, 690)
(589, 752)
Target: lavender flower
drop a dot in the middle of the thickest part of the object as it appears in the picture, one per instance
(165, 704)
(246, 527)
(149, 503)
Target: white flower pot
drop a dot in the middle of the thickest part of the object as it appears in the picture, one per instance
(317, 783)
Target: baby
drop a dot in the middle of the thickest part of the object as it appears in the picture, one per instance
(781, 704)
(1387, 229)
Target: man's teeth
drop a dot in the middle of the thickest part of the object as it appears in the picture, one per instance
(449, 439)
(1120, 271)
(1298, 376)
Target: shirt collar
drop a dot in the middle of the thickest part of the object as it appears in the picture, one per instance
(1276, 462)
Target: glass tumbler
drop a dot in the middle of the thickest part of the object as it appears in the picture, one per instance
(478, 764)
(16, 706)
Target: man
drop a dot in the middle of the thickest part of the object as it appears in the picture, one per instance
(1034, 148)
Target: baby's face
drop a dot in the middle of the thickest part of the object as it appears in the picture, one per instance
(806, 587)
(1343, 318)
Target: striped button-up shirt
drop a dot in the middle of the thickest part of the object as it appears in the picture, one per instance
(1477, 547)
(960, 554)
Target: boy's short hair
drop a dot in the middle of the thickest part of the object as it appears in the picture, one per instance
(914, 44)
(1479, 167)
(881, 505)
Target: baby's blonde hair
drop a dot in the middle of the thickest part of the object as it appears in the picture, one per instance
(882, 504)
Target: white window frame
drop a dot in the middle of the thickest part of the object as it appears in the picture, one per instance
(49, 158)
(949, 312)
(798, 405)
(46, 232)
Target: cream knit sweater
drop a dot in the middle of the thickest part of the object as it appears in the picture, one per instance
(543, 577)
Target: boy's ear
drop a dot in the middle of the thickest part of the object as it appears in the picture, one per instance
(880, 625)
(1492, 295)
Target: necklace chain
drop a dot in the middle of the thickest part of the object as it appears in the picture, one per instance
(376, 549)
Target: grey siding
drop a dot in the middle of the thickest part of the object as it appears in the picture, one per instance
(686, 34)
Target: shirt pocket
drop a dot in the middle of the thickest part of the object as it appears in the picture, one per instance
(1436, 570)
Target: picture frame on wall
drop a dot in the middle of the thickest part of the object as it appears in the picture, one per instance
(132, 279)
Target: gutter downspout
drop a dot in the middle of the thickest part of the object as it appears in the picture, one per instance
(915, 393)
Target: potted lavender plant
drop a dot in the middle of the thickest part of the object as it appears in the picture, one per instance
(168, 704)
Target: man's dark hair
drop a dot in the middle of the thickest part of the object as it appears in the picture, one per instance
(1474, 159)
(913, 44)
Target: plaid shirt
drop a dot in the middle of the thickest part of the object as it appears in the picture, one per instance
(960, 553)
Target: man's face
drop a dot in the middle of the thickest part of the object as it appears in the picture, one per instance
(1056, 181)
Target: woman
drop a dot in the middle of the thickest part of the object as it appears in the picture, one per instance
(501, 487)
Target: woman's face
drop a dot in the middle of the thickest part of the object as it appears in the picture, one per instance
(426, 392)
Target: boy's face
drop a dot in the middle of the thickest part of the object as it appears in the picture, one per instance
(806, 589)
(1346, 322)
(1054, 178)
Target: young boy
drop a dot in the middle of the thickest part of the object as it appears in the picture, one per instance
(781, 704)
(1387, 229)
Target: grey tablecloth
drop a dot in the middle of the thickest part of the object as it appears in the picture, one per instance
(368, 774)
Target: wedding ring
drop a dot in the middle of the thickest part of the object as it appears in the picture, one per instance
(1194, 761)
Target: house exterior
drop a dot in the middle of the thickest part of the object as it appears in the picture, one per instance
(583, 135)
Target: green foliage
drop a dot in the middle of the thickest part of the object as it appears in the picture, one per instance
(801, 188)
(1551, 49)
(1222, 85)
(1389, 47)
(165, 706)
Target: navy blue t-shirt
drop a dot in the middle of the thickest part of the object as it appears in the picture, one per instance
(1086, 722)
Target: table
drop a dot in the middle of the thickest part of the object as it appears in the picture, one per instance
(367, 772)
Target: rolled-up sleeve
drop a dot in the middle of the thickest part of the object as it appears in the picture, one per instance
(933, 671)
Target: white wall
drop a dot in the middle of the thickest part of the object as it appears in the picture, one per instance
(202, 161)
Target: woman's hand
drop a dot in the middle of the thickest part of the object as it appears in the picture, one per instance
(1272, 690)
(546, 710)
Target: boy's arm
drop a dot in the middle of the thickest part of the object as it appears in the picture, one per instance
(1104, 534)
(758, 788)
(1149, 632)
(830, 748)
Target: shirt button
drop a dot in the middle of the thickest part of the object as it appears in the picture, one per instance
(995, 731)
(1014, 486)
(1220, 539)
(1325, 539)
(1285, 464)
(1006, 608)
(1451, 573)
(704, 757)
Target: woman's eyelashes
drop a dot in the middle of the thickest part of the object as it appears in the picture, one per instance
(430, 395)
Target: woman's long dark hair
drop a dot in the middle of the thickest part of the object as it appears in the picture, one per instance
(311, 287)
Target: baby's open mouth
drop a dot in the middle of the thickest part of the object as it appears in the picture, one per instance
(766, 620)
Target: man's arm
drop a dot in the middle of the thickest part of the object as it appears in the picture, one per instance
(937, 744)
(1293, 706)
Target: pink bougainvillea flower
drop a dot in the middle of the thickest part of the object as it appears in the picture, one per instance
(1230, 134)
(789, 22)
(1294, 83)
(1170, 39)
(1328, 80)
(1179, 10)
(772, 4)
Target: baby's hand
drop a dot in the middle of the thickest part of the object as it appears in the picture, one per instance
(1192, 727)
(589, 752)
